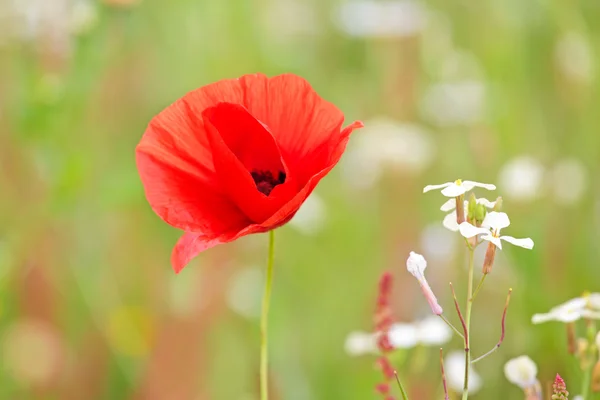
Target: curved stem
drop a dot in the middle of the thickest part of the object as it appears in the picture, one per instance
(264, 321)
(468, 326)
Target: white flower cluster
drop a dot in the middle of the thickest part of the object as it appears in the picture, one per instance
(491, 226)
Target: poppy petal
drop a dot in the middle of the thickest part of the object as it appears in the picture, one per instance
(189, 246)
(229, 125)
(175, 163)
(300, 120)
(183, 198)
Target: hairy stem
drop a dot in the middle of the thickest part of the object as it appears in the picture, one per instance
(264, 321)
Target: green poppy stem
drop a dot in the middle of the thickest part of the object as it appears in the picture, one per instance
(264, 321)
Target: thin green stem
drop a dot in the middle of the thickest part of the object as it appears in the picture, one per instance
(264, 321)
(468, 326)
(585, 383)
(451, 326)
(402, 390)
(478, 288)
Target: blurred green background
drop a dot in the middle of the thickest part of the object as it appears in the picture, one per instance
(504, 92)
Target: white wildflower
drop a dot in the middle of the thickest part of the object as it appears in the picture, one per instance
(490, 229)
(449, 221)
(521, 371)
(458, 187)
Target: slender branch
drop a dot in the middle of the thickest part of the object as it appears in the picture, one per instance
(446, 397)
(503, 326)
(402, 390)
(478, 287)
(451, 326)
(460, 316)
(264, 321)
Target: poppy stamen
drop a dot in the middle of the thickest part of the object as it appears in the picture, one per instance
(265, 181)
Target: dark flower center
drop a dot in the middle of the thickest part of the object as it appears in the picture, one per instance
(265, 181)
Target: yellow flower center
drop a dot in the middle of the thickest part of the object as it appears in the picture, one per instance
(458, 182)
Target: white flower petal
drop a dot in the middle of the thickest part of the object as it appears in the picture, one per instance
(593, 301)
(526, 243)
(454, 190)
(449, 205)
(521, 371)
(432, 331)
(578, 303)
(416, 264)
(496, 220)
(403, 336)
(493, 239)
(589, 314)
(561, 315)
(468, 230)
(471, 184)
(433, 187)
(450, 223)
(541, 318)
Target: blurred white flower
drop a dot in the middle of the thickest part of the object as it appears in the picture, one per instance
(416, 264)
(385, 143)
(454, 366)
(360, 343)
(311, 217)
(291, 17)
(586, 306)
(403, 335)
(569, 181)
(50, 21)
(521, 178)
(387, 18)
(458, 187)
(578, 397)
(490, 229)
(521, 371)
(243, 296)
(432, 331)
(574, 57)
(449, 221)
(454, 103)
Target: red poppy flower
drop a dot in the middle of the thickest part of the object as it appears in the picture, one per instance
(237, 157)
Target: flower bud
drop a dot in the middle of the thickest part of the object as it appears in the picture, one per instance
(498, 206)
(460, 209)
(559, 389)
(488, 261)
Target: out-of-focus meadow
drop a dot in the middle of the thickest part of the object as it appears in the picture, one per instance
(505, 92)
